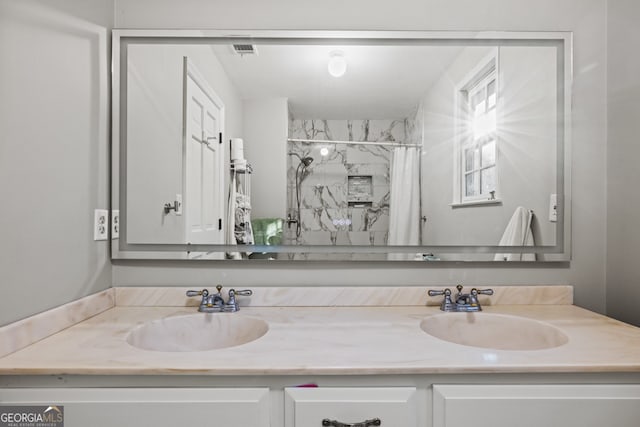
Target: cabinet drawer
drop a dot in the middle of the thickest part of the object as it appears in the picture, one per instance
(308, 407)
(111, 407)
(536, 405)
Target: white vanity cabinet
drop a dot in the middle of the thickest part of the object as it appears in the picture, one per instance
(393, 406)
(152, 407)
(398, 401)
(536, 405)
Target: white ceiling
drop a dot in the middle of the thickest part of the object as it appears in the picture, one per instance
(381, 82)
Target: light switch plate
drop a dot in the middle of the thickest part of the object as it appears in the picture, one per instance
(100, 224)
(553, 208)
(115, 224)
(178, 204)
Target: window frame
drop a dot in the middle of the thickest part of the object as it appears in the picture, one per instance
(486, 70)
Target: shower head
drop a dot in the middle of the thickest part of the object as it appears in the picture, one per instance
(306, 161)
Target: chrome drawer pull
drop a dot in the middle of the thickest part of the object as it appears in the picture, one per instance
(333, 423)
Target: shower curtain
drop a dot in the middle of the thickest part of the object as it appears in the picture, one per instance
(404, 203)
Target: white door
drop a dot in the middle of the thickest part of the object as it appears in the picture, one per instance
(204, 179)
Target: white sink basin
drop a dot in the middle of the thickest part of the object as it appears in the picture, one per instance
(197, 332)
(494, 331)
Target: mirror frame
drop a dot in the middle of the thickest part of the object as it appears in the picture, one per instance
(563, 41)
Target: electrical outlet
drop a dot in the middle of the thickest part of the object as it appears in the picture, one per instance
(115, 224)
(100, 224)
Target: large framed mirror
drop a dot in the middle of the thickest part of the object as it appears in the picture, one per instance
(325, 145)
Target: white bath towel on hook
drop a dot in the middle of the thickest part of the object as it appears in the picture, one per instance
(518, 233)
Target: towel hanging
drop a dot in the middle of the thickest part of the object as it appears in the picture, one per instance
(518, 233)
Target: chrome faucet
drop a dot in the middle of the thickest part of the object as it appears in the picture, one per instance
(214, 303)
(464, 302)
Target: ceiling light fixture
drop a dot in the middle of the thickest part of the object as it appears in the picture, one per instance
(337, 64)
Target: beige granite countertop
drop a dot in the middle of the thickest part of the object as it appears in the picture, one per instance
(331, 340)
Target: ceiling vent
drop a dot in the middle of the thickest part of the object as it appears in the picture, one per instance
(245, 49)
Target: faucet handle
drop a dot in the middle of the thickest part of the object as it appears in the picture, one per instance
(232, 304)
(445, 292)
(233, 293)
(483, 291)
(447, 304)
(203, 292)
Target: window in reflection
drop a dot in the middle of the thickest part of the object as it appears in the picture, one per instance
(478, 145)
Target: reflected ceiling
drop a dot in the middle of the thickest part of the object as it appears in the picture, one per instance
(300, 74)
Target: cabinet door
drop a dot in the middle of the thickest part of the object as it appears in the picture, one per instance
(536, 405)
(308, 407)
(149, 407)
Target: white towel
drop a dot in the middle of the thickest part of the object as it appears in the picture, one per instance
(518, 233)
(231, 219)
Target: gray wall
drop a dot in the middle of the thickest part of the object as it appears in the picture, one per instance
(526, 149)
(623, 152)
(53, 152)
(265, 148)
(586, 18)
(155, 132)
(53, 144)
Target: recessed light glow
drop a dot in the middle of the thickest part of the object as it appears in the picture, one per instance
(337, 63)
(324, 151)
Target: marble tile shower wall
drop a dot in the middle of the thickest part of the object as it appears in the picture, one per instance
(344, 193)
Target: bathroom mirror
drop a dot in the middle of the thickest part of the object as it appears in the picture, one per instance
(318, 145)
